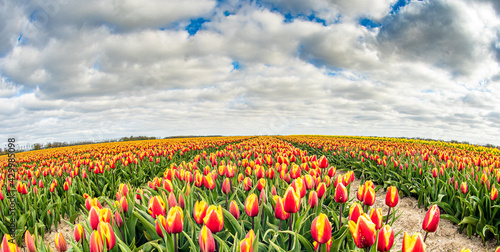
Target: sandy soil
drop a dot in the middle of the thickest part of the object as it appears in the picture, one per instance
(446, 238)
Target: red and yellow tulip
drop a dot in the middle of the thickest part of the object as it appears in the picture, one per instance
(214, 219)
(363, 232)
(385, 238)
(206, 240)
(321, 229)
(413, 243)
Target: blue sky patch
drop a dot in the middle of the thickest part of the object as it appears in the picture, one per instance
(236, 65)
(195, 25)
(368, 23)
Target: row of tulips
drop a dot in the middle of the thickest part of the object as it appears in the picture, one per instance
(300, 207)
(461, 179)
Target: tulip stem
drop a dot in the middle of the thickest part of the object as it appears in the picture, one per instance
(340, 216)
(425, 237)
(175, 240)
(387, 219)
(319, 247)
(226, 203)
(279, 228)
(253, 218)
(290, 235)
(216, 246)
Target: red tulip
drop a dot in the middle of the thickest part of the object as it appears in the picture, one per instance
(29, 241)
(160, 223)
(321, 190)
(363, 232)
(323, 162)
(107, 234)
(234, 210)
(60, 243)
(392, 196)
(376, 217)
(463, 187)
(214, 220)
(413, 243)
(156, 206)
(206, 240)
(354, 212)
(369, 197)
(172, 201)
(7, 246)
(494, 193)
(105, 215)
(96, 243)
(341, 194)
(261, 184)
(385, 238)
(431, 220)
(252, 205)
(199, 211)
(321, 229)
(175, 220)
(247, 184)
(279, 210)
(313, 199)
(79, 233)
(226, 186)
(291, 200)
(118, 219)
(94, 217)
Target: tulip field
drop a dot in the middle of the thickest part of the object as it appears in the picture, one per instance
(282, 193)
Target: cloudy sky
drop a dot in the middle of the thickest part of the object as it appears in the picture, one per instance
(91, 70)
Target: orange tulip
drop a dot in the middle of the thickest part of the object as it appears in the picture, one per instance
(313, 199)
(354, 212)
(199, 211)
(94, 217)
(156, 206)
(413, 243)
(341, 194)
(29, 241)
(79, 233)
(96, 243)
(385, 238)
(206, 240)
(321, 229)
(234, 210)
(60, 243)
(175, 220)
(431, 220)
(392, 196)
(363, 232)
(291, 200)
(107, 234)
(214, 219)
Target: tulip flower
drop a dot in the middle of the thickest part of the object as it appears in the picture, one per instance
(321, 190)
(291, 200)
(369, 196)
(413, 243)
(354, 212)
(105, 215)
(494, 193)
(431, 220)
(60, 243)
(107, 234)
(247, 184)
(29, 241)
(7, 246)
(206, 240)
(199, 211)
(385, 239)
(246, 244)
(279, 211)
(96, 243)
(252, 207)
(234, 210)
(156, 206)
(94, 217)
(498, 249)
(79, 233)
(175, 222)
(391, 200)
(463, 187)
(363, 232)
(182, 203)
(321, 229)
(465, 250)
(214, 219)
(376, 217)
(172, 201)
(226, 186)
(361, 192)
(341, 194)
(160, 223)
(323, 162)
(313, 199)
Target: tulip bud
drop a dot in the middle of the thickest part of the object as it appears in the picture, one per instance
(156, 206)
(494, 193)
(182, 203)
(160, 223)
(321, 229)
(247, 184)
(252, 205)
(96, 243)
(413, 243)
(361, 193)
(107, 233)
(206, 240)
(118, 219)
(214, 219)
(376, 217)
(29, 241)
(369, 197)
(79, 233)
(463, 187)
(60, 243)
(385, 239)
(323, 162)
(354, 212)
(172, 202)
(291, 200)
(341, 195)
(234, 210)
(199, 211)
(273, 191)
(431, 220)
(279, 211)
(94, 217)
(226, 186)
(392, 196)
(313, 199)
(321, 190)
